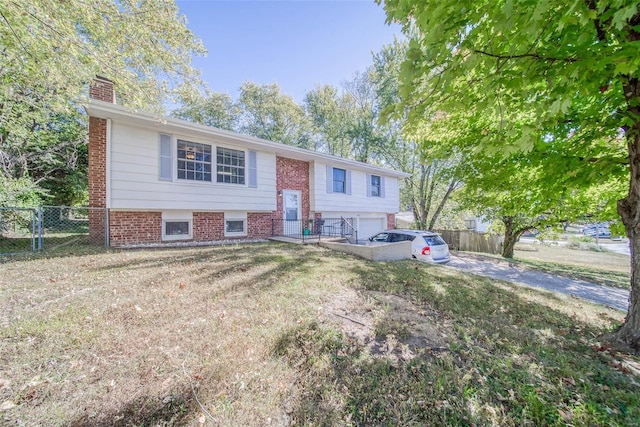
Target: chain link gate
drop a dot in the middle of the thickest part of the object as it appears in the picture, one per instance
(52, 229)
(18, 230)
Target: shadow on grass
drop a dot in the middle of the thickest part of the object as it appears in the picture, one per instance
(175, 408)
(510, 361)
(221, 269)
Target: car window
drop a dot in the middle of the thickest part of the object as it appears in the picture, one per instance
(434, 240)
(397, 237)
(380, 237)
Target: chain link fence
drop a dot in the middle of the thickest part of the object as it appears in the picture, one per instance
(18, 232)
(51, 229)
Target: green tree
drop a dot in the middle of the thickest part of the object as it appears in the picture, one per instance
(49, 53)
(212, 109)
(434, 179)
(541, 70)
(267, 113)
(329, 114)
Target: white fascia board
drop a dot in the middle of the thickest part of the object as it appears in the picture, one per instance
(106, 110)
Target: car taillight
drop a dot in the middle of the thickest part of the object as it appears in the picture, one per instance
(426, 250)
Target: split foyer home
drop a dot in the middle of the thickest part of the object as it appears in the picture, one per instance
(164, 179)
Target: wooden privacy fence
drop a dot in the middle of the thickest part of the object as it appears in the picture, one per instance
(465, 240)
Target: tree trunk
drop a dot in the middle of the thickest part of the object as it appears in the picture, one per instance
(452, 186)
(509, 237)
(629, 209)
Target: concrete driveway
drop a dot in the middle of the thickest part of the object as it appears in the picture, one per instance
(503, 270)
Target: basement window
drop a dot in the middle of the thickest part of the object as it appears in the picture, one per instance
(235, 224)
(179, 228)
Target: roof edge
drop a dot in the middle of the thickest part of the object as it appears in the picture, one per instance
(106, 110)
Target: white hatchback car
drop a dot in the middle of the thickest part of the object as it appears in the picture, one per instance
(425, 245)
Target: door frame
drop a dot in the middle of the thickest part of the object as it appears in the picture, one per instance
(291, 229)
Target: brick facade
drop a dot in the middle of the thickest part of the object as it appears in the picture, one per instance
(292, 175)
(97, 176)
(391, 221)
(101, 89)
(259, 224)
(208, 226)
(130, 228)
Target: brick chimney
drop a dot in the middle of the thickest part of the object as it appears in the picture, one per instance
(102, 90)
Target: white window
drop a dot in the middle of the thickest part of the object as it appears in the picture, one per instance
(339, 180)
(194, 161)
(235, 224)
(230, 166)
(375, 186)
(177, 225)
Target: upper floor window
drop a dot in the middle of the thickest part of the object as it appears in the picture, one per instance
(230, 166)
(375, 186)
(339, 180)
(194, 161)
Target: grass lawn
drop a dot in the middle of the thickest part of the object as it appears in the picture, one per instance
(606, 268)
(277, 334)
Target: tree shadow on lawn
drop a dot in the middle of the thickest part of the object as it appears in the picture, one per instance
(255, 271)
(176, 408)
(511, 360)
(221, 269)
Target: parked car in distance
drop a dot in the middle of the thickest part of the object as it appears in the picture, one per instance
(426, 246)
(602, 230)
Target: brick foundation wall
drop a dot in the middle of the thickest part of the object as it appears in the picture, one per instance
(391, 221)
(293, 175)
(208, 226)
(259, 225)
(130, 228)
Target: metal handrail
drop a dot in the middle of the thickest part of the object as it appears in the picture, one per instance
(349, 225)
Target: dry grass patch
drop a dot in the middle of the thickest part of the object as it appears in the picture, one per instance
(133, 337)
(276, 334)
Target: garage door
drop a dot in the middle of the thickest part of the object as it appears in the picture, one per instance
(370, 226)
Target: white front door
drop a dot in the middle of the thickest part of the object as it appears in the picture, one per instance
(291, 205)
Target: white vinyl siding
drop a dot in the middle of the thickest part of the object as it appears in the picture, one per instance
(135, 154)
(358, 201)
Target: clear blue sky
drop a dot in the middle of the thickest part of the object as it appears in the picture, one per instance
(297, 44)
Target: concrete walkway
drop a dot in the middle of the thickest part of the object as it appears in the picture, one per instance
(503, 270)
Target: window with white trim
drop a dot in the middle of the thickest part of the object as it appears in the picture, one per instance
(177, 225)
(376, 184)
(194, 161)
(235, 224)
(339, 180)
(230, 166)
(176, 228)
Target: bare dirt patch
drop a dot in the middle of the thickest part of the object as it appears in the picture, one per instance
(388, 325)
